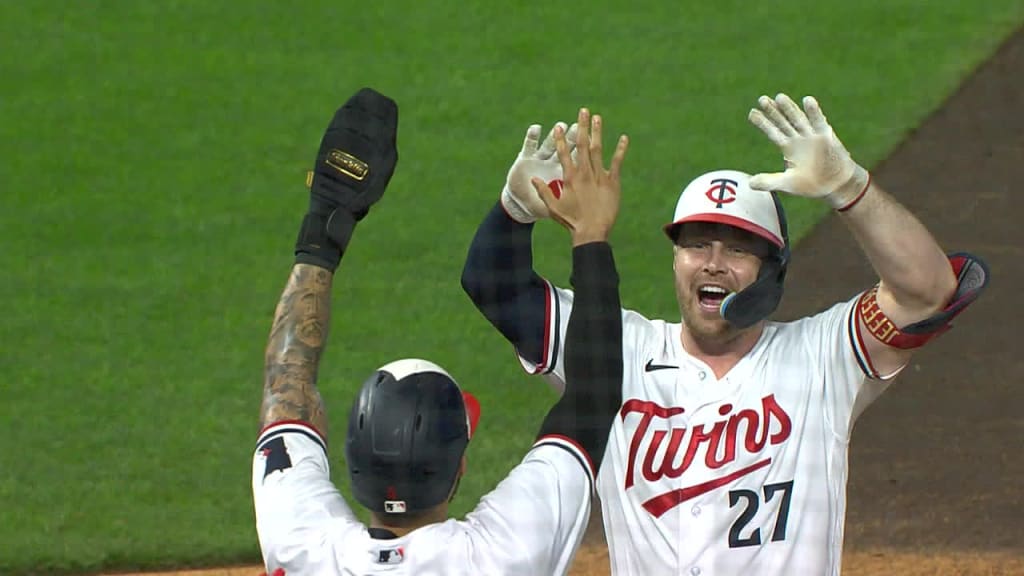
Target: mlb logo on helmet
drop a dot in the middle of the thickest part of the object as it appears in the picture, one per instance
(725, 197)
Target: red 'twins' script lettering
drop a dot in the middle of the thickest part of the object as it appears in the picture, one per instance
(721, 440)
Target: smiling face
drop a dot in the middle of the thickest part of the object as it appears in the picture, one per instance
(711, 261)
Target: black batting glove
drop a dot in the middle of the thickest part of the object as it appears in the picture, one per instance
(357, 158)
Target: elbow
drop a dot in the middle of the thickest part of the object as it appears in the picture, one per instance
(471, 282)
(944, 288)
(932, 297)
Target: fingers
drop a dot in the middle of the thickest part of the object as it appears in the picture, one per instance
(793, 113)
(532, 139)
(771, 111)
(583, 140)
(596, 153)
(564, 152)
(618, 156)
(543, 190)
(570, 137)
(769, 181)
(585, 135)
(547, 148)
(757, 118)
(815, 115)
(571, 134)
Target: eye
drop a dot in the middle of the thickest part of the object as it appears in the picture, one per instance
(738, 250)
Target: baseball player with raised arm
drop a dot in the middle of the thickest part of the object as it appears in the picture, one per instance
(410, 423)
(729, 452)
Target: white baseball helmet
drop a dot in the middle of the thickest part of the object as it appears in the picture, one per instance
(725, 197)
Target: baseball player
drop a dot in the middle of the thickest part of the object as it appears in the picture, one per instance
(729, 452)
(410, 423)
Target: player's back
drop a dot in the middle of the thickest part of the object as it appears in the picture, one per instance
(448, 548)
(531, 523)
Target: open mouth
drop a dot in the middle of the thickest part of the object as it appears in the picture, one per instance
(710, 296)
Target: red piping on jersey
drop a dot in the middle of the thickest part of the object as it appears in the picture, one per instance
(574, 444)
(546, 347)
(296, 422)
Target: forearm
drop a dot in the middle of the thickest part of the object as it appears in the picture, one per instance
(916, 277)
(593, 354)
(293, 351)
(498, 277)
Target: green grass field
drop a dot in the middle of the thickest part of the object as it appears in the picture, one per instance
(154, 156)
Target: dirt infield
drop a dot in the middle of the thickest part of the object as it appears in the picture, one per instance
(594, 560)
(936, 463)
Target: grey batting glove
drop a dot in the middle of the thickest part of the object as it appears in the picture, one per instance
(537, 159)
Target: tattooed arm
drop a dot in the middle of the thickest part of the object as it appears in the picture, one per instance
(356, 160)
(293, 352)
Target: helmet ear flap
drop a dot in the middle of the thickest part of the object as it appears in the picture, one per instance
(784, 254)
(756, 302)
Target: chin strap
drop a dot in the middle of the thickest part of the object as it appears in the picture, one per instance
(972, 276)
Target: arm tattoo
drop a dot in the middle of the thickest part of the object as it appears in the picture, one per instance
(293, 353)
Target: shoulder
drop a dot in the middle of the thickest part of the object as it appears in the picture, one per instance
(638, 324)
(317, 547)
(835, 312)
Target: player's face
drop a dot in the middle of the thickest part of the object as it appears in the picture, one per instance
(711, 261)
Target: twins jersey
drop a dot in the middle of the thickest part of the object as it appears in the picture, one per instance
(531, 524)
(740, 475)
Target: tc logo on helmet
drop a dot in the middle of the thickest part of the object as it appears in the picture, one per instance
(722, 191)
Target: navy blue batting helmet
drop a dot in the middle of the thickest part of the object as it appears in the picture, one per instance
(407, 432)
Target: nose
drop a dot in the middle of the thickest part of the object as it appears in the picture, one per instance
(715, 261)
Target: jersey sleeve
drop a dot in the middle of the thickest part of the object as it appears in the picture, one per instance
(850, 381)
(292, 492)
(558, 306)
(534, 521)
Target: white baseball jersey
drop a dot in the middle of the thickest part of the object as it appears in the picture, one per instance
(742, 475)
(532, 523)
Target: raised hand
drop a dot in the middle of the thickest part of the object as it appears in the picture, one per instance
(817, 163)
(357, 158)
(536, 159)
(587, 203)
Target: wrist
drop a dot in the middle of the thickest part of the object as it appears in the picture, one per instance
(514, 208)
(849, 193)
(581, 237)
(323, 238)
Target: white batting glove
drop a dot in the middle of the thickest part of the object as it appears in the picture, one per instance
(817, 163)
(536, 159)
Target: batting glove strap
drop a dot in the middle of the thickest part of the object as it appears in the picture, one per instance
(515, 209)
(323, 238)
(850, 193)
